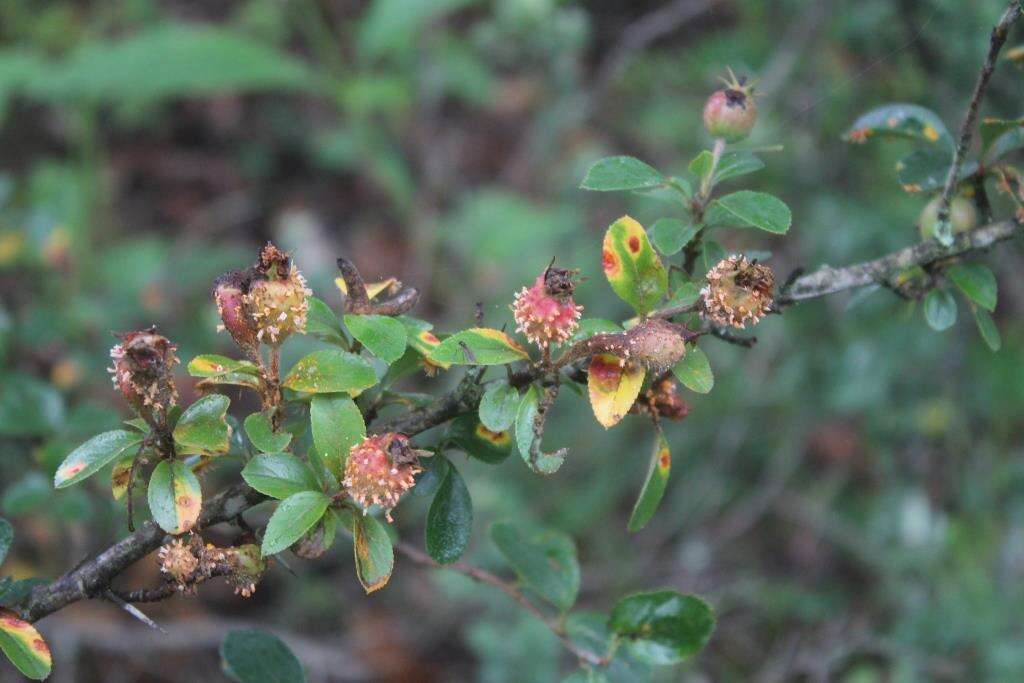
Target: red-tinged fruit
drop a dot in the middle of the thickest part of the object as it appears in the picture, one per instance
(730, 113)
(545, 312)
(380, 469)
(143, 372)
(229, 292)
(738, 291)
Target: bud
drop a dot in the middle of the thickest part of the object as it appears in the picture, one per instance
(730, 113)
(229, 292)
(962, 217)
(380, 469)
(546, 312)
(277, 297)
(179, 563)
(248, 567)
(737, 291)
(142, 371)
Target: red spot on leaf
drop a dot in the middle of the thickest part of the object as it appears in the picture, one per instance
(39, 645)
(664, 460)
(11, 622)
(634, 244)
(610, 262)
(430, 338)
(606, 371)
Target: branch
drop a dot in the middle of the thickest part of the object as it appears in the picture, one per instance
(998, 37)
(483, 576)
(828, 280)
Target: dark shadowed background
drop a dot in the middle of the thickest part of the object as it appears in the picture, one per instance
(849, 497)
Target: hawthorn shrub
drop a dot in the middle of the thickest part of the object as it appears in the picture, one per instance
(321, 451)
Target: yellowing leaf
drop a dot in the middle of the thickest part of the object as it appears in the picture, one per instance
(23, 645)
(372, 289)
(613, 388)
(632, 267)
(478, 346)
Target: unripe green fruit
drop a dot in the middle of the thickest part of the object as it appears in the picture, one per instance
(730, 114)
(962, 217)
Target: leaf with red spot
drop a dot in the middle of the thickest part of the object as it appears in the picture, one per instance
(422, 340)
(613, 387)
(654, 486)
(23, 645)
(900, 121)
(632, 266)
(94, 455)
(175, 497)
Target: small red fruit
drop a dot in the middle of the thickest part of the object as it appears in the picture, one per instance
(142, 371)
(730, 113)
(546, 312)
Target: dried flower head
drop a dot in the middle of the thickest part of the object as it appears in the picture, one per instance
(277, 299)
(737, 291)
(178, 561)
(546, 312)
(662, 400)
(380, 469)
(142, 371)
(248, 566)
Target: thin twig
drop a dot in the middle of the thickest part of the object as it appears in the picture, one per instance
(509, 589)
(996, 41)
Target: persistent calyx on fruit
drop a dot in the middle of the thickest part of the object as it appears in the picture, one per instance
(546, 312)
(264, 303)
(963, 216)
(730, 113)
(380, 469)
(142, 371)
(738, 291)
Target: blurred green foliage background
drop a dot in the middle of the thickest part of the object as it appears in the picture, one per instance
(850, 497)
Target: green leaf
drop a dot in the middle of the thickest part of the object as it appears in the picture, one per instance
(375, 557)
(900, 121)
(939, 310)
(94, 455)
(212, 365)
(294, 516)
(384, 337)
(735, 164)
(685, 295)
(632, 266)
(175, 498)
(663, 627)
(261, 432)
(477, 441)
(1010, 141)
(254, 656)
(670, 235)
(23, 645)
(701, 164)
(322, 323)
(591, 326)
(545, 560)
(498, 406)
(6, 538)
(976, 282)
(747, 209)
(172, 60)
(711, 252)
(479, 346)
(279, 475)
(987, 328)
(694, 371)
(525, 416)
(621, 173)
(654, 486)
(337, 426)
(926, 169)
(330, 371)
(202, 429)
(450, 519)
